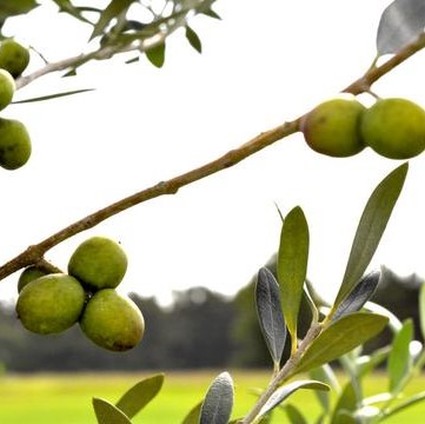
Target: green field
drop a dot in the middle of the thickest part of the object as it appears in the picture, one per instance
(66, 399)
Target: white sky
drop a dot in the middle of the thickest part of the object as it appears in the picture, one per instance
(260, 66)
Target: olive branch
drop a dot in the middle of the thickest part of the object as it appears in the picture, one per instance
(35, 253)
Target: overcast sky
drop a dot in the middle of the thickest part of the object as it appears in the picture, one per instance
(260, 66)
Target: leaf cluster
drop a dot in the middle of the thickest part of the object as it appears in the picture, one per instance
(337, 333)
(119, 28)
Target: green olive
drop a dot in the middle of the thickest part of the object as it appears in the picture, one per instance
(333, 127)
(51, 304)
(7, 88)
(13, 57)
(395, 128)
(112, 321)
(15, 144)
(29, 274)
(98, 263)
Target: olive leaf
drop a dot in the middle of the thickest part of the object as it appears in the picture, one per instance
(269, 311)
(345, 417)
(211, 13)
(340, 337)
(16, 7)
(393, 322)
(325, 374)
(347, 401)
(138, 396)
(193, 415)
(405, 403)
(367, 363)
(114, 8)
(422, 309)
(361, 293)
(292, 266)
(67, 7)
(193, 39)
(156, 55)
(106, 413)
(218, 403)
(287, 390)
(53, 96)
(370, 229)
(401, 22)
(294, 414)
(400, 360)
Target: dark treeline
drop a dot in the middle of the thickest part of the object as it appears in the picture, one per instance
(201, 329)
(195, 332)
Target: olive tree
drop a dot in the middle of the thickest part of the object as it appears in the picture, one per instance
(395, 128)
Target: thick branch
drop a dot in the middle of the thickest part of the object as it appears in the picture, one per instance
(36, 252)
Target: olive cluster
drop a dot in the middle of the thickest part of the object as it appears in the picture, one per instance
(15, 142)
(50, 303)
(392, 127)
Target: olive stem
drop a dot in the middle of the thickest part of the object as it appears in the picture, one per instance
(285, 372)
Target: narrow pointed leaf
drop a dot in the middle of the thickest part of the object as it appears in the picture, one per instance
(393, 322)
(400, 360)
(372, 224)
(133, 60)
(67, 7)
(194, 415)
(16, 7)
(193, 39)
(378, 398)
(284, 392)
(406, 403)
(367, 363)
(292, 265)
(107, 413)
(114, 8)
(140, 395)
(269, 310)
(53, 96)
(218, 403)
(211, 13)
(360, 294)
(347, 401)
(71, 73)
(156, 55)
(400, 24)
(326, 375)
(266, 419)
(340, 337)
(345, 417)
(329, 377)
(422, 309)
(295, 416)
(321, 419)
(205, 8)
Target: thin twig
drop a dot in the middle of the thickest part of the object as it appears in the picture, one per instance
(374, 73)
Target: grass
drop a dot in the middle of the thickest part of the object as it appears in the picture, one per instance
(66, 399)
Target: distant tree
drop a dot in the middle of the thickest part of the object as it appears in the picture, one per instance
(189, 334)
(197, 331)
